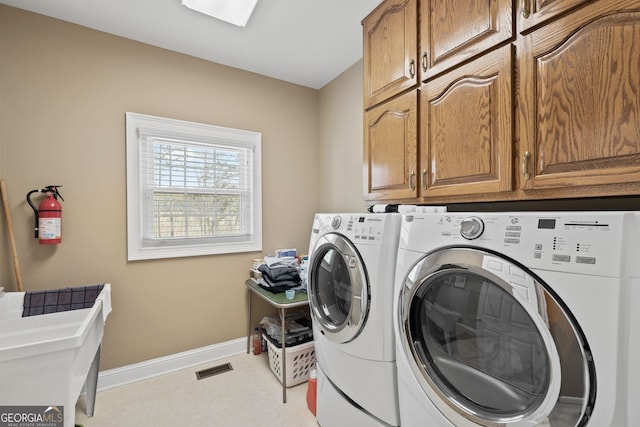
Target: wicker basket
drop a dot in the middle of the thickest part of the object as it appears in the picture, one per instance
(301, 359)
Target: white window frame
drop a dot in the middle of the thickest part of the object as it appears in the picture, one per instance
(140, 127)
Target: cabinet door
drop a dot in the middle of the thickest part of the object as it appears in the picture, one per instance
(390, 38)
(456, 30)
(532, 13)
(466, 128)
(390, 143)
(580, 100)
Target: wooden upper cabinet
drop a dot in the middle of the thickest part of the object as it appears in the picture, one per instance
(390, 37)
(390, 144)
(532, 13)
(580, 99)
(466, 128)
(453, 31)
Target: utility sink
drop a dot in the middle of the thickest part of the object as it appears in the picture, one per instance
(45, 360)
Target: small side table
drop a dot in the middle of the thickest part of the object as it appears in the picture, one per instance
(280, 302)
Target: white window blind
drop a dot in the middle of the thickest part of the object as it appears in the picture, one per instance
(192, 189)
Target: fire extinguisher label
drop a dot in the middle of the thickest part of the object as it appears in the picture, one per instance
(50, 228)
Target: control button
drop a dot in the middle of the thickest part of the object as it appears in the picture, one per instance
(538, 247)
(585, 260)
(471, 228)
(512, 234)
(514, 227)
(336, 221)
(561, 258)
(537, 255)
(510, 240)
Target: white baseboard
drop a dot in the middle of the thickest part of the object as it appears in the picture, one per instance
(163, 365)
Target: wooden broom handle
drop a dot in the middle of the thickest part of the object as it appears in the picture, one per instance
(12, 241)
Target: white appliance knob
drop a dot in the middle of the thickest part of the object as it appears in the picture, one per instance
(336, 221)
(471, 228)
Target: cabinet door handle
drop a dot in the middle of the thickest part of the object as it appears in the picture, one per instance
(526, 8)
(525, 165)
(412, 68)
(412, 180)
(424, 179)
(424, 61)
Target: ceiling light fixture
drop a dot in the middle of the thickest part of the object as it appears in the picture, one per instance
(236, 12)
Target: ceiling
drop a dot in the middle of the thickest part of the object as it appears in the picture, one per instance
(306, 42)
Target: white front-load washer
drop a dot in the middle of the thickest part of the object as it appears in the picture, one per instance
(350, 283)
(513, 319)
(634, 327)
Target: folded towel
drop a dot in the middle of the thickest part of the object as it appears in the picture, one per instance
(280, 273)
(65, 299)
(277, 287)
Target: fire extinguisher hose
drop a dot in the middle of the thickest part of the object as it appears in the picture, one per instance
(12, 241)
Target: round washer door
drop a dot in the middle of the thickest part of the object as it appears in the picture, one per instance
(338, 288)
(491, 345)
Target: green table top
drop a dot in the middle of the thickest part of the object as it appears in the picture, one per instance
(278, 299)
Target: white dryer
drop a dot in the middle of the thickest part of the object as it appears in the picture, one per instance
(350, 283)
(513, 319)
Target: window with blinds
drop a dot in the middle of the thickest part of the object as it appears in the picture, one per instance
(192, 189)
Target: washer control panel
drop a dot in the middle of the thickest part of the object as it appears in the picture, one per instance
(565, 241)
(368, 227)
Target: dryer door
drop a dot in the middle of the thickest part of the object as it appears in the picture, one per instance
(338, 288)
(491, 345)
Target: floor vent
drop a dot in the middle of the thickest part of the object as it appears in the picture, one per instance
(209, 372)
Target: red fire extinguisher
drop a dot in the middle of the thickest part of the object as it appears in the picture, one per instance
(48, 224)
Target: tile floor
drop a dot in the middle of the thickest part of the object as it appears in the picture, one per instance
(249, 395)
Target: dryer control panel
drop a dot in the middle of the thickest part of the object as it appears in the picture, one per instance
(581, 242)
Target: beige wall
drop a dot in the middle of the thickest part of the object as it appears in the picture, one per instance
(64, 91)
(341, 134)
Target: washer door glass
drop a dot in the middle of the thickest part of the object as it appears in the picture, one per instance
(338, 288)
(490, 344)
